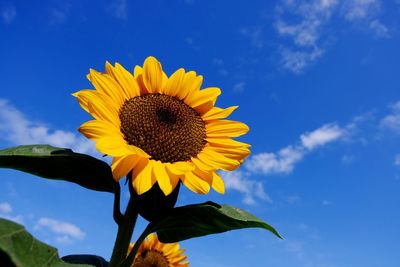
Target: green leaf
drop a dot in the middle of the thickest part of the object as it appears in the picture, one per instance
(204, 219)
(23, 250)
(59, 164)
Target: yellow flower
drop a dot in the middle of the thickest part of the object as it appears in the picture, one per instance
(163, 129)
(154, 253)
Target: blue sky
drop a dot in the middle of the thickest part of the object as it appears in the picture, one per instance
(317, 82)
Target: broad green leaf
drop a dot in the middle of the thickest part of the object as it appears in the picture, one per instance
(94, 260)
(23, 250)
(204, 219)
(59, 164)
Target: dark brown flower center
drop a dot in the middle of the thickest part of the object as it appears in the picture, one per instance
(163, 126)
(150, 258)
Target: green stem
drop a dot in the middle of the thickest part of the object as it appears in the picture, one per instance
(124, 235)
(131, 257)
(117, 212)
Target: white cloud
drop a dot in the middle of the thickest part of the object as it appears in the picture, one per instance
(5, 207)
(284, 161)
(239, 87)
(255, 36)
(280, 162)
(293, 199)
(65, 231)
(397, 160)
(392, 120)
(119, 9)
(16, 128)
(379, 28)
(321, 136)
(298, 60)
(305, 34)
(251, 189)
(8, 14)
(304, 24)
(360, 9)
(348, 159)
(221, 67)
(6, 213)
(326, 202)
(274, 163)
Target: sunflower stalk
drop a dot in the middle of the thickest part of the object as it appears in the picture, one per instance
(117, 215)
(124, 235)
(131, 257)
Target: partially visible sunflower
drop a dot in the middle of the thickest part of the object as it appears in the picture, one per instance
(154, 253)
(163, 129)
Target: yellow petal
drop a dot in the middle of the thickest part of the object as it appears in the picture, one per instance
(187, 81)
(225, 128)
(233, 153)
(96, 129)
(121, 166)
(125, 79)
(201, 165)
(144, 177)
(117, 147)
(166, 184)
(218, 184)
(173, 176)
(218, 113)
(193, 89)
(195, 184)
(105, 84)
(100, 110)
(84, 97)
(163, 83)
(174, 82)
(218, 161)
(226, 142)
(152, 75)
(180, 167)
(205, 99)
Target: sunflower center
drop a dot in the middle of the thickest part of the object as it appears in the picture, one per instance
(163, 126)
(150, 258)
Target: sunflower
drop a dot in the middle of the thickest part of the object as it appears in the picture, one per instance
(161, 129)
(154, 253)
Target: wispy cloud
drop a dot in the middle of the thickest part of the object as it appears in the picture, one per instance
(255, 35)
(354, 10)
(118, 9)
(8, 14)
(308, 36)
(305, 34)
(298, 60)
(392, 120)
(379, 28)
(321, 136)
(251, 189)
(6, 213)
(219, 63)
(281, 162)
(17, 129)
(397, 160)
(286, 158)
(5, 207)
(65, 232)
(239, 87)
